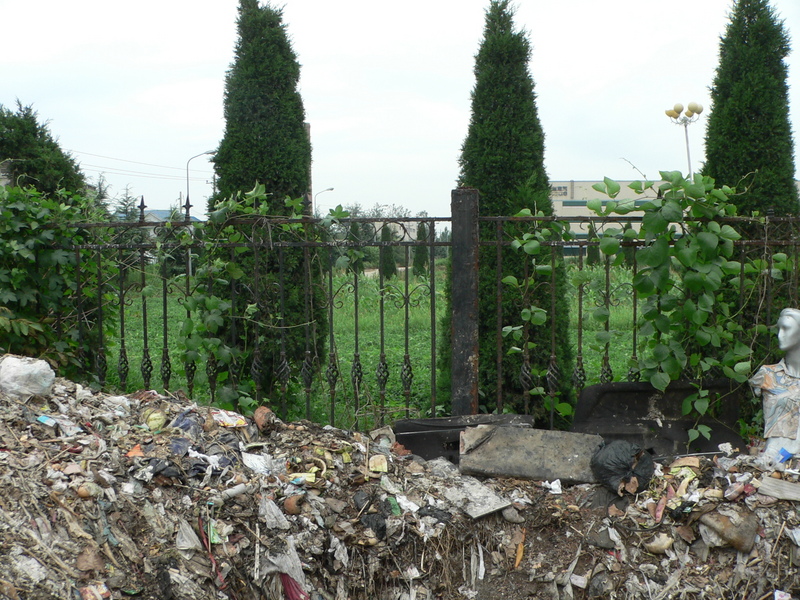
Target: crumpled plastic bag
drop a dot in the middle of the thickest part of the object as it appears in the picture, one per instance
(623, 466)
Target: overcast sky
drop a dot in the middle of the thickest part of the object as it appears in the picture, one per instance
(134, 89)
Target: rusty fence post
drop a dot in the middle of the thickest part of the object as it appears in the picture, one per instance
(464, 299)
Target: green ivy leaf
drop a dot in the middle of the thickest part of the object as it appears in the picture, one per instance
(601, 314)
(688, 402)
(564, 409)
(603, 337)
(234, 271)
(595, 204)
(743, 368)
(655, 254)
(612, 187)
(531, 247)
(660, 381)
(672, 212)
(609, 245)
(707, 241)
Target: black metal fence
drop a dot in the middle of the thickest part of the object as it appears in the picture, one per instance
(369, 341)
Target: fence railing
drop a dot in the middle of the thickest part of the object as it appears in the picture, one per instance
(306, 316)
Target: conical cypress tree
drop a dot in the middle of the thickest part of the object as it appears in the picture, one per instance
(503, 157)
(748, 136)
(265, 137)
(421, 252)
(266, 142)
(388, 264)
(593, 251)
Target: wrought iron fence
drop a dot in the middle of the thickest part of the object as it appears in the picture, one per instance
(379, 355)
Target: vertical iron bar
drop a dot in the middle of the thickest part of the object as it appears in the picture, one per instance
(100, 356)
(79, 305)
(284, 371)
(406, 373)
(122, 359)
(525, 370)
(382, 372)
(769, 288)
(332, 373)
(606, 374)
(257, 366)
(499, 321)
(189, 364)
(166, 367)
(432, 268)
(579, 373)
(147, 365)
(211, 364)
(233, 371)
(308, 362)
(59, 314)
(553, 374)
(356, 371)
(633, 372)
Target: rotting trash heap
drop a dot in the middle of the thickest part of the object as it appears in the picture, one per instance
(151, 496)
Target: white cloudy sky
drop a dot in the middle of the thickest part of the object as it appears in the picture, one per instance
(134, 89)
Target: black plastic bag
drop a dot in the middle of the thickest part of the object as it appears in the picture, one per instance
(623, 466)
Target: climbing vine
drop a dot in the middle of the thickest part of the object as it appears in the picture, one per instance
(688, 281)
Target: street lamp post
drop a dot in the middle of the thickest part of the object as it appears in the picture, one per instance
(314, 207)
(690, 116)
(188, 205)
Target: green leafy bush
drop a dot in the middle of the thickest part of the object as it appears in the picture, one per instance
(688, 281)
(48, 294)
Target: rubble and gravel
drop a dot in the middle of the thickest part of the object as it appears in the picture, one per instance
(151, 496)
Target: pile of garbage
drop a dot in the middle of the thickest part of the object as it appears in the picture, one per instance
(151, 496)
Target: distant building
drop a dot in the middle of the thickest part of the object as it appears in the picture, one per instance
(569, 198)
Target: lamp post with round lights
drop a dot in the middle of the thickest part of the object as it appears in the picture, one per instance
(687, 118)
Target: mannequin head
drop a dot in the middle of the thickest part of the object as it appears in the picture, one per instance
(789, 329)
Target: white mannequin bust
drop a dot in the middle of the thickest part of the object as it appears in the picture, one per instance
(789, 339)
(779, 387)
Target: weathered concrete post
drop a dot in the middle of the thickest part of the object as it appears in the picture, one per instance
(464, 300)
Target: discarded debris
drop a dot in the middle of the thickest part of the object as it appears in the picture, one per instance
(148, 496)
(622, 466)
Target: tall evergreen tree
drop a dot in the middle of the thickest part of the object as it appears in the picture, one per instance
(265, 137)
(266, 142)
(31, 156)
(749, 133)
(503, 157)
